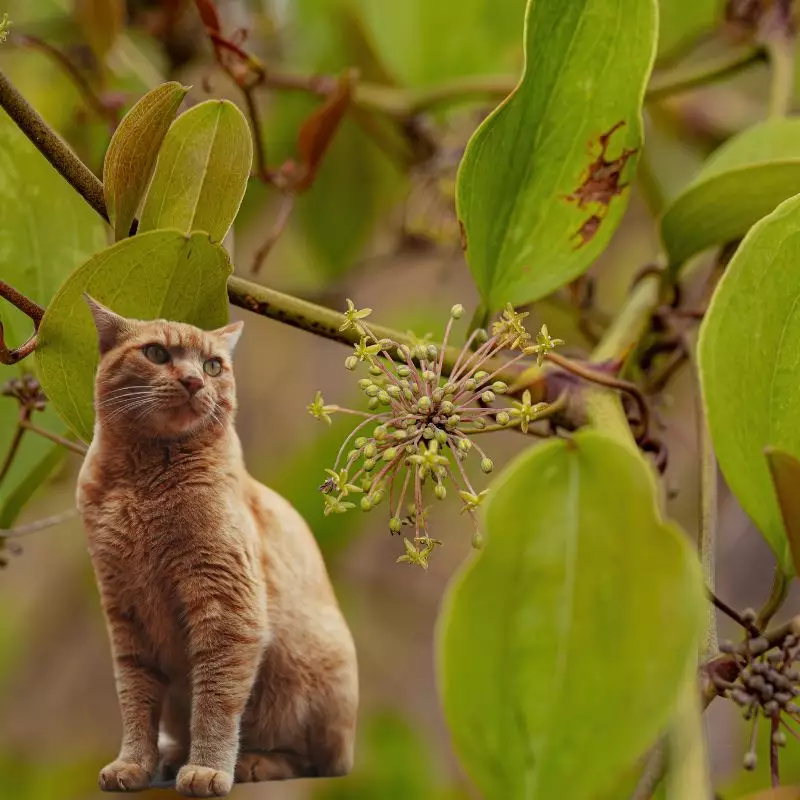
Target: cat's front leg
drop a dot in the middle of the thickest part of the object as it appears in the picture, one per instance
(140, 689)
(226, 649)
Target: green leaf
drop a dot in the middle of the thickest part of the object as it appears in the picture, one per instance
(202, 171)
(161, 274)
(785, 471)
(426, 42)
(743, 181)
(583, 613)
(687, 761)
(537, 206)
(131, 156)
(749, 369)
(101, 22)
(38, 249)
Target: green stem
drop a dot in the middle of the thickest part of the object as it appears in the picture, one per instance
(780, 48)
(683, 79)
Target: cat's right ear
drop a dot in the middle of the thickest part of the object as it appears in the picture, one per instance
(111, 327)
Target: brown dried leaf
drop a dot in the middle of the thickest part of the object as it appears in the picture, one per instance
(317, 132)
(101, 22)
(209, 15)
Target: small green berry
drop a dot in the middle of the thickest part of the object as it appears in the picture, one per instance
(377, 496)
(360, 442)
(380, 432)
(351, 362)
(480, 375)
(441, 436)
(437, 395)
(394, 391)
(383, 398)
(429, 376)
(457, 311)
(487, 397)
(464, 445)
(477, 540)
(502, 418)
(369, 465)
(364, 383)
(479, 422)
(389, 454)
(375, 370)
(395, 524)
(440, 491)
(749, 761)
(429, 432)
(372, 390)
(470, 384)
(452, 421)
(403, 371)
(487, 465)
(498, 387)
(449, 388)
(373, 403)
(424, 403)
(370, 451)
(366, 504)
(447, 408)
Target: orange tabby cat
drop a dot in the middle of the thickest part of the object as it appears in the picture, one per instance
(223, 624)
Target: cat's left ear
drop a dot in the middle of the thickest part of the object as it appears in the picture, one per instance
(231, 333)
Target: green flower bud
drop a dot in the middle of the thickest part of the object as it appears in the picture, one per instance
(429, 432)
(389, 454)
(424, 403)
(372, 390)
(487, 397)
(441, 436)
(498, 387)
(403, 351)
(479, 422)
(420, 351)
(369, 465)
(437, 395)
(351, 362)
(383, 398)
(432, 352)
(395, 524)
(399, 434)
(502, 418)
(452, 421)
(408, 394)
(377, 496)
(481, 336)
(749, 761)
(477, 540)
(366, 504)
(487, 465)
(380, 432)
(364, 383)
(464, 445)
(394, 391)
(352, 455)
(470, 384)
(429, 376)
(403, 371)
(385, 343)
(375, 370)
(480, 375)
(457, 311)
(373, 403)
(779, 738)
(370, 451)
(449, 388)
(447, 408)
(360, 442)
(440, 491)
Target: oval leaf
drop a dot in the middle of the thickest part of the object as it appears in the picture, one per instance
(556, 630)
(785, 471)
(101, 22)
(202, 171)
(131, 156)
(161, 274)
(749, 368)
(743, 181)
(38, 249)
(542, 185)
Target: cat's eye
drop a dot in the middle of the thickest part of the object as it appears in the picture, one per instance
(212, 367)
(156, 353)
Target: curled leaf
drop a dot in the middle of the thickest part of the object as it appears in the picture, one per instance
(131, 156)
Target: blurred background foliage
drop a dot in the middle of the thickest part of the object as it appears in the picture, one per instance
(378, 225)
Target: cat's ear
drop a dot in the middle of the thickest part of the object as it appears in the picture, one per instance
(230, 334)
(111, 327)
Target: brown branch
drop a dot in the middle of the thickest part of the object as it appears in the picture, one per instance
(38, 525)
(75, 447)
(750, 627)
(32, 310)
(12, 452)
(281, 220)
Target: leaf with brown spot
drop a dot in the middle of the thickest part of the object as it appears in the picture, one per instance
(318, 130)
(587, 231)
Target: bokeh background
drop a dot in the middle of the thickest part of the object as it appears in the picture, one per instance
(383, 232)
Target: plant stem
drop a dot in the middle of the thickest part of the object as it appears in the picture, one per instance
(683, 79)
(52, 146)
(74, 447)
(38, 525)
(12, 452)
(777, 597)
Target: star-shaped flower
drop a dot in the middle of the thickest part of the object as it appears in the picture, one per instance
(472, 501)
(339, 480)
(364, 352)
(525, 412)
(319, 410)
(545, 344)
(335, 505)
(510, 326)
(352, 315)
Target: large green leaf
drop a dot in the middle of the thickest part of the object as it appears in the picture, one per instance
(583, 614)
(131, 156)
(161, 274)
(743, 181)
(536, 205)
(38, 249)
(202, 171)
(432, 41)
(749, 366)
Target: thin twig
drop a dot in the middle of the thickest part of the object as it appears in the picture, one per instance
(12, 452)
(33, 311)
(750, 627)
(281, 220)
(258, 136)
(774, 755)
(75, 447)
(38, 525)
(652, 774)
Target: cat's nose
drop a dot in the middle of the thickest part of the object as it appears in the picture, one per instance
(192, 383)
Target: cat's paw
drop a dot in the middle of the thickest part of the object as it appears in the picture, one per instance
(123, 776)
(195, 781)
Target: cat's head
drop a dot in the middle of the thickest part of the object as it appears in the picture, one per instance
(162, 379)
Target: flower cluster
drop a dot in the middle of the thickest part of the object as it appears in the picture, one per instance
(425, 410)
(5, 24)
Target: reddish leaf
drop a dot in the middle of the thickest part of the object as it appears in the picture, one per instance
(317, 132)
(209, 15)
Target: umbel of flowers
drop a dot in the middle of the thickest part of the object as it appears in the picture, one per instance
(422, 423)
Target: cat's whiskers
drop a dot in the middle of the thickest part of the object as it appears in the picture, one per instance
(130, 406)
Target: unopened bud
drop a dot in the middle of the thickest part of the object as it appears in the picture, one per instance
(487, 397)
(351, 362)
(477, 540)
(457, 311)
(395, 524)
(440, 491)
(502, 418)
(749, 761)
(403, 371)
(383, 398)
(389, 453)
(366, 504)
(487, 465)
(498, 387)
(375, 370)
(369, 465)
